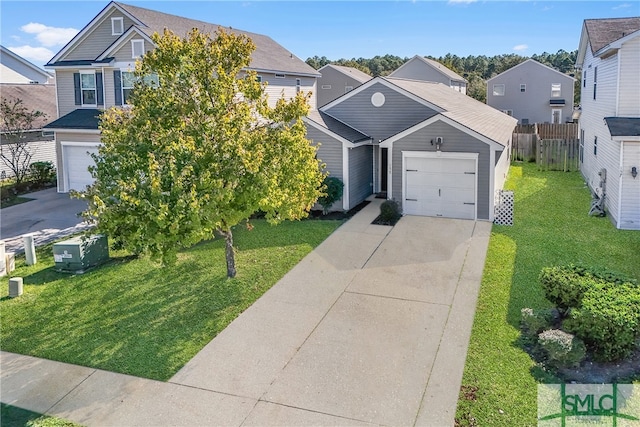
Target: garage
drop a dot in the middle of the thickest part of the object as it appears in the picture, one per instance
(440, 184)
(77, 159)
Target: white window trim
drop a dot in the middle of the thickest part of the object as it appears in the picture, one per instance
(326, 86)
(553, 111)
(122, 88)
(95, 83)
(497, 86)
(298, 85)
(113, 26)
(554, 93)
(280, 76)
(133, 48)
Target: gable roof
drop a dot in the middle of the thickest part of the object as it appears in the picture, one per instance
(447, 72)
(533, 61)
(360, 76)
(268, 55)
(601, 33)
(6, 53)
(623, 126)
(335, 126)
(34, 98)
(462, 109)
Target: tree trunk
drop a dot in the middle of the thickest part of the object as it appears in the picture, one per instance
(230, 254)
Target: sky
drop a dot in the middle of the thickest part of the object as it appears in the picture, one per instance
(37, 30)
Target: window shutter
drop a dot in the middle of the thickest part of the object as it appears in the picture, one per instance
(117, 80)
(99, 91)
(76, 87)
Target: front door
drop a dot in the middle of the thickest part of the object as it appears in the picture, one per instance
(384, 153)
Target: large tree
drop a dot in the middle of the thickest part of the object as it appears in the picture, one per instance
(199, 150)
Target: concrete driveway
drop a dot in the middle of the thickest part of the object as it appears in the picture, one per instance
(371, 328)
(49, 216)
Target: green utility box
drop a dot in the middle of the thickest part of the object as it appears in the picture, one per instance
(78, 254)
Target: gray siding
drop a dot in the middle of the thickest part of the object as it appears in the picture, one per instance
(456, 141)
(397, 114)
(65, 91)
(360, 174)
(330, 153)
(98, 40)
(533, 103)
(125, 53)
(416, 69)
(338, 82)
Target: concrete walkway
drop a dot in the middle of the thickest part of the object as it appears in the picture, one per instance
(371, 328)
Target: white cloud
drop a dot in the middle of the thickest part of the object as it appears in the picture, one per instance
(36, 55)
(49, 36)
(622, 6)
(520, 47)
(462, 1)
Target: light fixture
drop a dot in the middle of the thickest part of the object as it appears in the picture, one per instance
(634, 172)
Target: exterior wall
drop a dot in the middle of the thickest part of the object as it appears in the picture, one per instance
(125, 53)
(70, 137)
(455, 141)
(42, 151)
(98, 40)
(330, 153)
(278, 87)
(503, 160)
(360, 174)
(415, 69)
(533, 104)
(629, 98)
(15, 72)
(338, 82)
(397, 114)
(65, 91)
(630, 187)
(592, 125)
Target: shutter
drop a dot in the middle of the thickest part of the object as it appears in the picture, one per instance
(76, 87)
(117, 80)
(99, 90)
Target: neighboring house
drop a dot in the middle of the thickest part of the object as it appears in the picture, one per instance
(609, 59)
(94, 72)
(429, 70)
(336, 80)
(436, 151)
(14, 69)
(532, 93)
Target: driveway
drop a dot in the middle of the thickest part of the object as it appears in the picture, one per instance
(371, 328)
(49, 216)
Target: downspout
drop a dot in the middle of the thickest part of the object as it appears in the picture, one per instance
(620, 185)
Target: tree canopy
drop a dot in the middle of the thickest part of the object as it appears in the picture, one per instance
(199, 149)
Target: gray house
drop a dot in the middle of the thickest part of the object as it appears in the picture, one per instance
(533, 93)
(336, 80)
(434, 150)
(429, 70)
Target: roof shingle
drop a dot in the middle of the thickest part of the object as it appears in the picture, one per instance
(602, 32)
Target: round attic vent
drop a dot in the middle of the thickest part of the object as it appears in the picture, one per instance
(377, 99)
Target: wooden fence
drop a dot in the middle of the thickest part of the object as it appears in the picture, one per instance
(558, 154)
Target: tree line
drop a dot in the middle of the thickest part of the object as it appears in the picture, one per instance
(476, 69)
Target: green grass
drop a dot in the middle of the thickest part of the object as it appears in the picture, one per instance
(15, 201)
(135, 317)
(12, 416)
(551, 227)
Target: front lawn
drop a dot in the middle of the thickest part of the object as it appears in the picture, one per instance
(12, 416)
(551, 227)
(134, 317)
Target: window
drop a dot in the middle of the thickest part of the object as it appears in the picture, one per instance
(117, 26)
(326, 86)
(348, 88)
(280, 76)
(523, 88)
(151, 80)
(137, 48)
(595, 146)
(556, 90)
(595, 81)
(584, 78)
(127, 79)
(259, 79)
(498, 90)
(88, 88)
(581, 149)
(298, 84)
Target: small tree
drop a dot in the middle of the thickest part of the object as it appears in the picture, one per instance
(200, 151)
(333, 189)
(15, 121)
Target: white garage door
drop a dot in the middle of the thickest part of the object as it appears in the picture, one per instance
(440, 186)
(76, 163)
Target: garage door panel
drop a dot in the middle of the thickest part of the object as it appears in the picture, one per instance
(77, 159)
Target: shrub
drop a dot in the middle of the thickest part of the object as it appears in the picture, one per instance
(565, 287)
(563, 349)
(608, 320)
(534, 322)
(602, 274)
(333, 188)
(390, 211)
(42, 173)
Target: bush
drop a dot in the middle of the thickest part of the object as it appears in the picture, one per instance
(563, 350)
(602, 274)
(390, 211)
(42, 173)
(333, 188)
(608, 320)
(534, 322)
(565, 287)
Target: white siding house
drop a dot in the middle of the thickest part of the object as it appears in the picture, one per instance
(609, 60)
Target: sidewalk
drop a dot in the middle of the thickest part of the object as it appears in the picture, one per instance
(371, 328)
